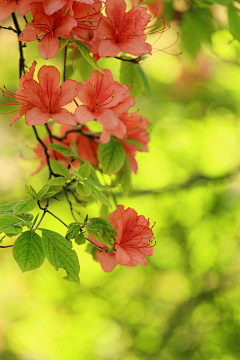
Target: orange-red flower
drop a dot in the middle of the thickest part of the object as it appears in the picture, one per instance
(43, 100)
(48, 29)
(123, 31)
(87, 17)
(103, 99)
(136, 129)
(133, 240)
(20, 97)
(7, 7)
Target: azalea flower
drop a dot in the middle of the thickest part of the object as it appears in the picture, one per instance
(136, 129)
(86, 146)
(47, 29)
(123, 31)
(87, 17)
(43, 100)
(7, 7)
(133, 240)
(20, 97)
(102, 100)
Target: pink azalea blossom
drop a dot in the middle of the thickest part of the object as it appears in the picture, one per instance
(102, 100)
(136, 129)
(44, 100)
(133, 240)
(123, 31)
(47, 29)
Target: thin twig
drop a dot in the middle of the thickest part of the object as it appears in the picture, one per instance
(8, 28)
(25, 19)
(100, 247)
(20, 45)
(44, 213)
(8, 246)
(51, 136)
(46, 152)
(49, 212)
(70, 204)
(64, 63)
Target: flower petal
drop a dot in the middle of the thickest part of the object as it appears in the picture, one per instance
(63, 117)
(108, 47)
(48, 46)
(82, 115)
(107, 261)
(36, 117)
(68, 92)
(121, 256)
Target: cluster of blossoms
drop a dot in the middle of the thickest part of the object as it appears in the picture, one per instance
(101, 98)
(107, 35)
(107, 29)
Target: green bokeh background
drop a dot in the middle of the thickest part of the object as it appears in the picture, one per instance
(185, 303)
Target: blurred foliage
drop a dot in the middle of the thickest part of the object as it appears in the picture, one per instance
(185, 304)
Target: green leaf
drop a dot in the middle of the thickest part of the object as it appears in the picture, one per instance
(61, 255)
(59, 168)
(196, 29)
(136, 143)
(144, 79)
(80, 239)
(10, 225)
(58, 181)
(85, 53)
(83, 189)
(42, 192)
(74, 145)
(29, 190)
(97, 194)
(63, 43)
(234, 23)
(53, 190)
(76, 173)
(25, 217)
(24, 206)
(124, 178)
(111, 156)
(62, 149)
(104, 211)
(129, 75)
(8, 207)
(73, 231)
(35, 220)
(102, 230)
(28, 252)
(85, 169)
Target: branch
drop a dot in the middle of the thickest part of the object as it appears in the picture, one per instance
(69, 202)
(189, 183)
(64, 63)
(49, 212)
(8, 28)
(20, 45)
(46, 152)
(44, 213)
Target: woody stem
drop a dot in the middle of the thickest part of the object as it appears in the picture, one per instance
(64, 63)
(20, 45)
(45, 151)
